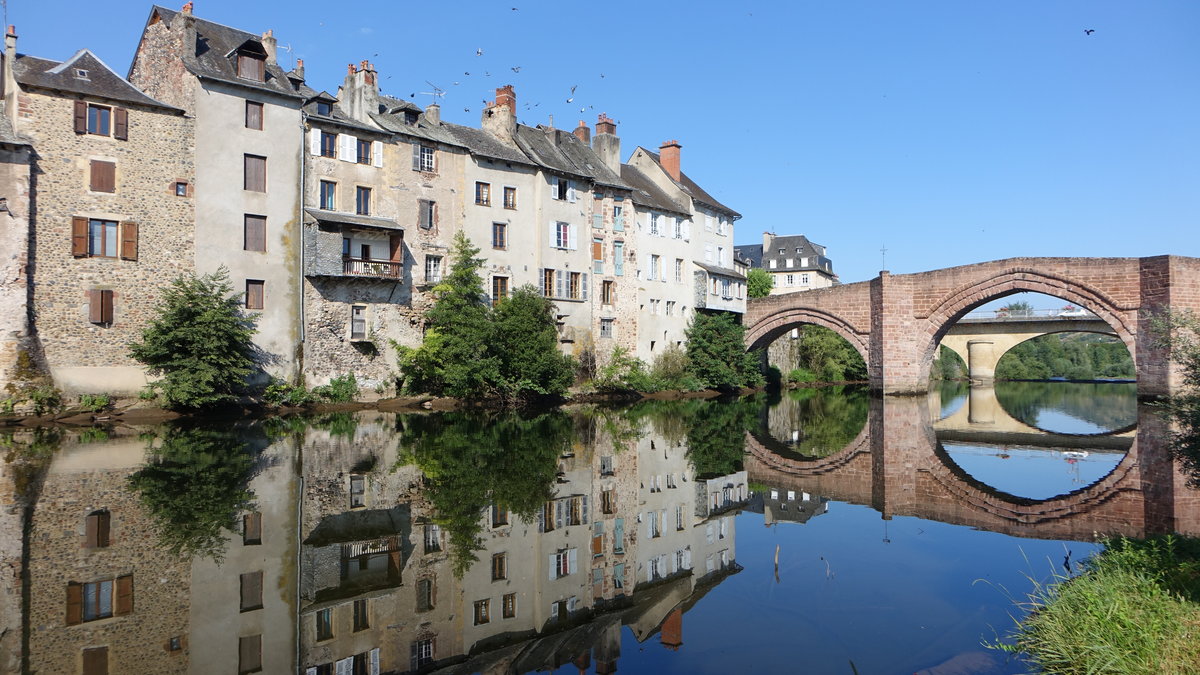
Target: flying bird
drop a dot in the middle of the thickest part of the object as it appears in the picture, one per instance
(1088, 31)
(516, 69)
(571, 99)
(466, 110)
(573, 89)
(465, 73)
(479, 51)
(486, 74)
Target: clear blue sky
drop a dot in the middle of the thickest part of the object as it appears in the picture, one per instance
(950, 132)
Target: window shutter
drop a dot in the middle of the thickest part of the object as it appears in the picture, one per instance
(100, 306)
(79, 237)
(584, 508)
(124, 604)
(553, 234)
(598, 221)
(104, 176)
(129, 241)
(91, 535)
(314, 141)
(585, 296)
(553, 572)
(687, 230)
(347, 145)
(373, 658)
(396, 247)
(252, 526)
(377, 153)
(74, 603)
(541, 514)
(572, 237)
(95, 661)
(345, 666)
(412, 657)
(571, 192)
(619, 222)
(120, 124)
(310, 671)
(80, 117)
(572, 567)
(619, 534)
(560, 507)
(559, 292)
(416, 156)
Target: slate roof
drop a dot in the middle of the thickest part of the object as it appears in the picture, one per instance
(422, 128)
(214, 55)
(796, 247)
(723, 271)
(563, 152)
(647, 194)
(482, 143)
(100, 81)
(312, 96)
(697, 193)
(752, 254)
(352, 219)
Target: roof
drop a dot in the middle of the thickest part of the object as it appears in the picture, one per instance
(563, 152)
(422, 128)
(484, 144)
(723, 271)
(351, 219)
(752, 254)
(647, 194)
(796, 248)
(215, 51)
(697, 193)
(85, 74)
(312, 96)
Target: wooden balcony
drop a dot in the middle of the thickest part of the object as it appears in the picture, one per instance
(372, 268)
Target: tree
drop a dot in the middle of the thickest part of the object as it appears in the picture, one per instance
(525, 343)
(759, 283)
(717, 353)
(201, 342)
(827, 357)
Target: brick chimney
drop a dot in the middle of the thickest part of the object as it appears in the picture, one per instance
(606, 143)
(9, 82)
(583, 133)
(187, 8)
(672, 630)
(359, 93)
(500, 117)
(669, 158)
(270, 44)
(299, 69)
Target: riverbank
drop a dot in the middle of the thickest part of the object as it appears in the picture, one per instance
(1135, 608)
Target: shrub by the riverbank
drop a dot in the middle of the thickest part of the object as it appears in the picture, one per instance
(1134, 609)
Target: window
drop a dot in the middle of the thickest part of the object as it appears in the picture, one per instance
(721, 256)
(499, 290)
(561, 235)
(325, 623)
(255, 168)
(560, 189)
(670, 308)
(789, 280)
(433, 538)
(678, 229)
(252, 529)
(619, 575)
(98, 119)
(510, 197)
(181, 188)
(364, 151)
(103, 176)
(424, 158)
(618, 219)
(678, 513)
(654, 224)
(608, 501)
(99, 599)
(424, 595)
(255, 293)
(433, 268)
(358, 322)
(483, 194)
(362, 201)
(500, 235)
(548, 283)
(251, 591)
(726, 287)
(597, 539)
(99, 238)
(100, 306)
(499, 566)
(510, 605)
(328, 195)
(789, 262)
(481, 612)
(426, 214)
(362, 619)
(251, 67)
(254, 115)
(653, 267)
(328, 144)
(653, 527)
(324, 108)
(95, 661)
(597, 255)
(619, 258)
(562, 563)
(619, 536)
(422, 653)
(254, 236)
(499, 516)
(606, 328)
(96, 529)
(573, 288)
(772, 263)
(804, 279)
(607, 292)
(249, 654)
(358, 491)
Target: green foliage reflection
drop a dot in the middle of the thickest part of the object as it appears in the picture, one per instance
(1075, 356)
(715, 429)
(827, 419)
(1109, 406)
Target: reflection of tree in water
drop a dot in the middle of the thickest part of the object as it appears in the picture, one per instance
(473, 460)
(818, 422)
(1108, 405)
(194, 486)
(715, 429)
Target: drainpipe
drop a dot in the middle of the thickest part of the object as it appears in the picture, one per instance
(300, 223)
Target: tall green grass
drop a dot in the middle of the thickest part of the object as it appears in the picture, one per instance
(1135, 608)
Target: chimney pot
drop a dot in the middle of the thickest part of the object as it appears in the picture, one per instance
(12, 29)
(187, 8)
(583, 133)
(605, 125)
(669, 158)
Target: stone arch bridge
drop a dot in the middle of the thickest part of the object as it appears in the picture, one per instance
(897, 321)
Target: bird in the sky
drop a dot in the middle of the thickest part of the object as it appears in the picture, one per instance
(466, 73)
(487, 74)
(573, 88)
(516, 69)
(1088, 31)
(514, 9)
(466, 110)
(602, 76)
(479, 51)
(570, 99)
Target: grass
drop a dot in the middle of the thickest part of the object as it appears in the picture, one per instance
(1135, 608)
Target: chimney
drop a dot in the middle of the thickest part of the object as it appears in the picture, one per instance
(433, 113)
(583, 133)
(299, 69)
(767, 239)
(669, 158)
(671, 635)
(269, 44)
(359, 93)
(606, 143)
(9, 82)
(500, 117)
(187, 8)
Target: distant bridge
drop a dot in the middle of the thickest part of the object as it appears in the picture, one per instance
(980, 341)
(896, 322)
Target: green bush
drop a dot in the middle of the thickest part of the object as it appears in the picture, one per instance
(341, 389)
(717, 353)
(94, 402)
(46, 399)
(280, 392)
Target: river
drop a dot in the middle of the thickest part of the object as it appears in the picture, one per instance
(817, 530)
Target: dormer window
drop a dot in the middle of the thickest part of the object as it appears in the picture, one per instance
(324, 108)
(251, 66)
(81, 74)
(410, 117)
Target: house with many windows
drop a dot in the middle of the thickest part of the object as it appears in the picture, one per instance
(794, 262)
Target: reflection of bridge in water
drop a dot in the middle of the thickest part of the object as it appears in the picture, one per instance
(897, 466)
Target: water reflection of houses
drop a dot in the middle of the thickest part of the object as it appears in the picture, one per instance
(780, 505)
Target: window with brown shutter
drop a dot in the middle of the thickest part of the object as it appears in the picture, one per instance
(255, 173)
(97, 527)
(252, 529)
(79, 237)
(396, 247)
(74, 603)
(120, 124)
(249, 654)
(95, 661)
(124, 602)
(81, 112)
(252, 591)
(104, 176)
(100, 310)
(254, 115)
(255, 233)
(129, 241)
(251, 67)
(255, 293)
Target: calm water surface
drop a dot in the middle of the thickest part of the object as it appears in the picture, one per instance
(815, 531)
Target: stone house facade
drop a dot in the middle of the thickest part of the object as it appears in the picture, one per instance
(794, 262)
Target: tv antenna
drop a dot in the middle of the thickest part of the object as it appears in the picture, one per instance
(883, 258)
(437, 92)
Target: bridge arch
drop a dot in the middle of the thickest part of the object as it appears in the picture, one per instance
(770, 328)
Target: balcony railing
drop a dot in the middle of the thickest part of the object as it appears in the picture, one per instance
(371, 268)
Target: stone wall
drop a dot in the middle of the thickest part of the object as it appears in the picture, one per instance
(84, 356)
(14, 241)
